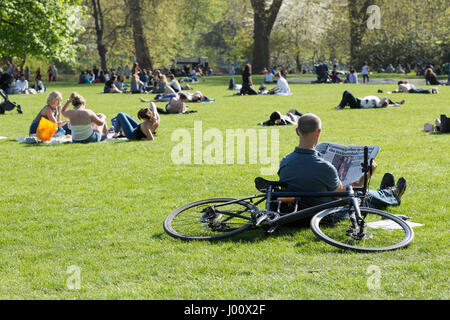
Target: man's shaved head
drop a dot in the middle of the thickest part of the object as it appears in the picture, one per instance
(309, 123)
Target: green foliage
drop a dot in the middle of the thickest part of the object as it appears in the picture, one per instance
(411, 32)
(42, 28)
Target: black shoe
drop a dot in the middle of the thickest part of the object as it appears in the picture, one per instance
(388, 181)
(399, 188)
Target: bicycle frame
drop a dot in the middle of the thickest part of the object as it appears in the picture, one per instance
(348, 198)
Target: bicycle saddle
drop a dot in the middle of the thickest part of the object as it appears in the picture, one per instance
(261, 183)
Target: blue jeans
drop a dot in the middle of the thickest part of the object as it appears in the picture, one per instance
(126, 123)
(95, 137)
(380, 199)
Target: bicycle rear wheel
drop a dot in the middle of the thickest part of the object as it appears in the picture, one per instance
(382, 232)
(200, 220)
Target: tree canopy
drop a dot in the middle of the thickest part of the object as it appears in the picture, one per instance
(283, 33)
(42, 28)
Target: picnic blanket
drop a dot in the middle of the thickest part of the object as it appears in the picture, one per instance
(204, 101)
(63, 139)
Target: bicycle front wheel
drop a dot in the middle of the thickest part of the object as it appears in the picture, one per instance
(382, 231)
(201, 220)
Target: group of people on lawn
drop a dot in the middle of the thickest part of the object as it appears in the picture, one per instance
(85, 126)
(303, 169)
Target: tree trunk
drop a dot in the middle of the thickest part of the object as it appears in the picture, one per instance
(143, 57)
(298, 63)
(99, 28)
(264, 20)
(357, 16)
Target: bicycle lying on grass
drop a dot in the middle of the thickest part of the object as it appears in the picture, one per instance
(342, 223)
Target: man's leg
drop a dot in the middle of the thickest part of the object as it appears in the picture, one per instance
(380, 199)
(350, 100)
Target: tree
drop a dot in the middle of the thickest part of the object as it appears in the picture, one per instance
(140, 42)
(304, 24)
(97, 14)
(42, 28)
(263, 19)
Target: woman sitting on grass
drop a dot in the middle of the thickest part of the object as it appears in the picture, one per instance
(132, 129)
(38, 85)
(86, 126)
(431, 77)
(247, 82)
(174, 84)
(168, 92)
(51, 112)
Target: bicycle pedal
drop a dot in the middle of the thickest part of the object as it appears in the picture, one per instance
(263, 217)
(271, 230)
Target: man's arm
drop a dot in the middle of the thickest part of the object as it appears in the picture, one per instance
(360, 183)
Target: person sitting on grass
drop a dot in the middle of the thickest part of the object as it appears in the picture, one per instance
(110, 86)
(167, 93)
(136, 85)
(349, 99)
(119, 83)
(86, 125)
(38, 84)
(431, 77)
(304, 170)
(22, 86)
(282, 87)
(51, 112)
(125, 124)
(247, 82)
(406, 87)
(174, 84)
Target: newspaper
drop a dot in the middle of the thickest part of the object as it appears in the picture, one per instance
(346, 159)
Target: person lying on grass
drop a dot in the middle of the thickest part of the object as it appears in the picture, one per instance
(132, 129)
(278, 119)
(304, 170)
(176, 104)
(86, 125)
(406, 87)
(349, 99)
(51, 112)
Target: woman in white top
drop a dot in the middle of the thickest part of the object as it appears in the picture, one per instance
(282, 87)
(86, 126)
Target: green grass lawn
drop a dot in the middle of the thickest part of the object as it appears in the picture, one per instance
(100, 207)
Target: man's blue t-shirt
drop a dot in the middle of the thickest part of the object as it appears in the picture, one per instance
(304, 170)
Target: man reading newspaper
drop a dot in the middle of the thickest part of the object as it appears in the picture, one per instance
(305, 170)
